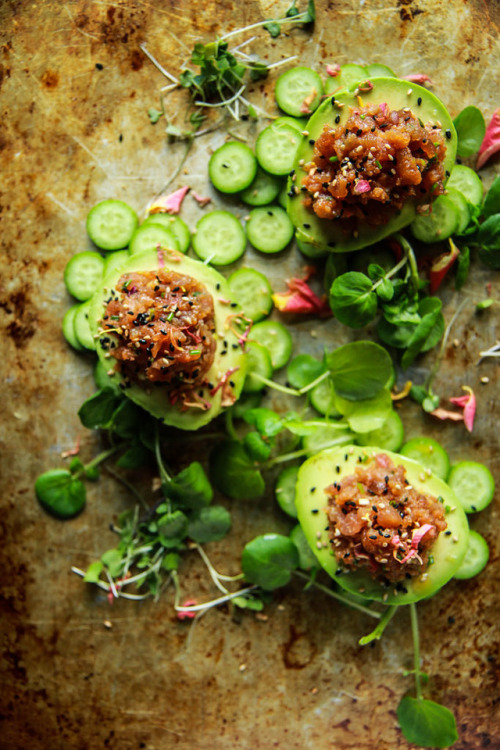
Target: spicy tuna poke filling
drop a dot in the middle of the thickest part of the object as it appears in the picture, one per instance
(369, 167)
(379, 522)
(162, 325)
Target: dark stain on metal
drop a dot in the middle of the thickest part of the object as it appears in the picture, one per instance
(298, 651)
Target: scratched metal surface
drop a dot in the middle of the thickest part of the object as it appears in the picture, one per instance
(71, 135)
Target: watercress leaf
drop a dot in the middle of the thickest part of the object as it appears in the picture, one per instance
(426, 723)
(385, 290)
(172, 528)
(252, 112)
(484, 304)
(126, 419)
(300, 427)
(112, 559)
(462, 268)
(327, 435)
(394, 335)
(191, 487)
(422, 331)
(93, 572)
(401, 312)
(258, 71)
(154, 115)
(292, 10)
(418, 393)
(97, 410)
(310, 15)
(273, 28)
(303, 369)
(425, 306)
(375, 271)
(471, 128)
(307, 558)
(60, 493)
(268, 560)
(171, 561)
(266, 421)
(359, 369)
(367, 415)
(256, 446)
(246, 402)
(210, 524)
(491, 204)
(249, 602)
(430, 403)
(134, 457)
(233, 472)
(353, 300)
(76, 466)
(488, 238)
(93, 473)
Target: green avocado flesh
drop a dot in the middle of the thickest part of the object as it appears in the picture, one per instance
(155, 399)
(448, 550)
(328, 234)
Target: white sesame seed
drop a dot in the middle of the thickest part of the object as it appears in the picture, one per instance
(409, 92)
(485, 380)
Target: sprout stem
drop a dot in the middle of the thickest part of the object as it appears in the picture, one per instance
(339, 597)
(416, 649)
(157, 65)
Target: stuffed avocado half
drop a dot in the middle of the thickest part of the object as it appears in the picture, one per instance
(353, 193)
(166, 328)
(335, 468)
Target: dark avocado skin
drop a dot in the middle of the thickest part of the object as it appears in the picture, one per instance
(156, 399)
(448, 551)
(327, 234)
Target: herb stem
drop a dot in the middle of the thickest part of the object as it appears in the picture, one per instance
(314, 383)
(392, 272)
(157, 64)
(341, 440)
(294, 19)
(276, 386)
(339, 597)
(215, 602)
(163, 472)
(102, 457)
(377, 632)
(410, 255)
(224, 102)
(416, 649)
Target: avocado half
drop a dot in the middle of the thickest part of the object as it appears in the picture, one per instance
(448, 551)
(328, 234)
(155, 399)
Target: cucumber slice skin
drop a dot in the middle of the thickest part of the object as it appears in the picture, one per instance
(439, 224)
(388, 437)
(258, 361)
(232, 167)
(308, 249)
(449, 550)
(462, 206)
(476, 557)
(284, 490)
(68, 328)
(174, 224)
(473, 485)
(219, 238)
(111, 224)
(430, 454)
(298, 91)
(377, 70)
(151, 236)
(83, 274)
(81, 322)
(467, 182)
(115, 260)
(264, 189)
(350, 75)
(276, 338)
(322, 398)
(253, 291)
(276, 148)
(269, 229)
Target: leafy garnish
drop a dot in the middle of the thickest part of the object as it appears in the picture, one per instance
(471, 128)
(268, 560)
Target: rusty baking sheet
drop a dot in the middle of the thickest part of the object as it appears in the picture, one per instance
(75, 91)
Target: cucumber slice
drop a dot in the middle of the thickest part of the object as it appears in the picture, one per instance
(263, 190)
(269, 229)
(253, 292)
(388, 437)
(439, 224)
(284, 490)
(322, 398)
(174, 224)
(232, 167)
(307, 559)
(83, 274)
(462, 207)
(298, 91)
(68, 328)
(309, 249)
(327, 435)
(111, 224)
(246, 401)
(219, 238)
(283, 197)
(473, 485)
(115, 260)
(349, 77)
(299, 124)
(468, 182)
(476, 557)
(81, 323)
(276, 338)
(276, 148)
(258, 363)
(151, 236)
(103, 380)
(430, 454)
(377, 70)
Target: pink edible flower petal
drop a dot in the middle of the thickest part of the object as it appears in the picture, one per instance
(362, 186)
(170, 204)
(491, 140)
(420, 78)
(383, 108)
(333, 70)
(200, 200)
(301, 299)
(441, 413)
(187, 615)
(419, 533)
(161, 257)
(468, 404)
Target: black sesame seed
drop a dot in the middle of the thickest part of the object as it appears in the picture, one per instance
(99, 66)
(314, 510)
(448, 134)
(419, 101)
(337, 119)
(312, 141)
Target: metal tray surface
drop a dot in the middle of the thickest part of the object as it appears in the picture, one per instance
(75, 92)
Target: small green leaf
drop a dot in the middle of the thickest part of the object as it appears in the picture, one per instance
(134, 457)
(430, 403)
(210, 524)
(273, 28)
(154, 115)
(233, 472)
(353, 300)
(422, 331)
(359, 369)
(76, 466)
(266, 421)
(484, 304)
(248, 602)
(268, 560)
(491, 203)
(93, 572)
(256, 446)
(97, 410)
(112, 559)
(303, 369)
(366, 415)
(462, 268)
(191, 487)
(471, 128)
(60, 494)
(171, 561)
(126, 419)
(426, 723)
(488, 238)
(172, 528)
(307, 558)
